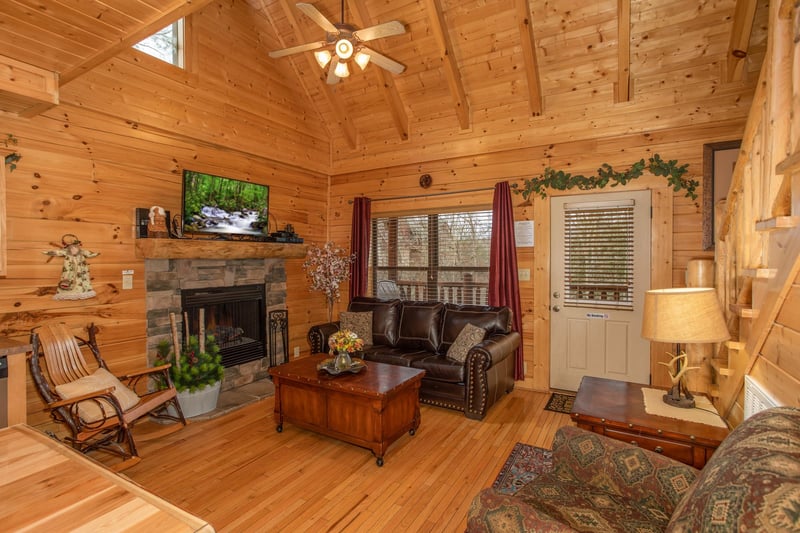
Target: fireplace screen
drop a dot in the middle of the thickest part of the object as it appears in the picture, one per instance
(234, 315)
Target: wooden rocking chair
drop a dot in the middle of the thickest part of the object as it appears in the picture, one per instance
(98, 408)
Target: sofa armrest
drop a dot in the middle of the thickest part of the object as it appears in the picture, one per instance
(491, 511)
(632, 472)
(318, 336)
(493, 349)
(489, 372)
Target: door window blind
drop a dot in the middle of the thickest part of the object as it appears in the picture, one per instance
(598, 254)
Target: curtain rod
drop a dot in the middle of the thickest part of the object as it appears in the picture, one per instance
(428, 195)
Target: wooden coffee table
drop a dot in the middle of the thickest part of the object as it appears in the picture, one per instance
(371, 409)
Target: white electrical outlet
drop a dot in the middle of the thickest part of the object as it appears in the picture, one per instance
(297, 351)
(524, 274)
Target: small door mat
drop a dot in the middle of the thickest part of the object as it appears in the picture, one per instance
(524, 464)
(560, 403)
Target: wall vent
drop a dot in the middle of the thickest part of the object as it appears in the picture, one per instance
(755, 398)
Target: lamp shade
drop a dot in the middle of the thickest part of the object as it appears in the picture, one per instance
(683, 315)
(323, 57)
(341, 69)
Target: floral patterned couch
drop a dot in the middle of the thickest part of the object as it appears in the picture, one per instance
(751, 483)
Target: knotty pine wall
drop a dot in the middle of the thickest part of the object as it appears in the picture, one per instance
(482, 171)
(678, 103)
(123, 132)
(119, 140)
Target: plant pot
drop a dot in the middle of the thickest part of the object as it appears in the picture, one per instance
(199, 402)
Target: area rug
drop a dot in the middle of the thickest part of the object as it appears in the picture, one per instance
(523, 465)
(560, 403)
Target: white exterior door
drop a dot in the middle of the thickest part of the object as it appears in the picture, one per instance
(600, 270)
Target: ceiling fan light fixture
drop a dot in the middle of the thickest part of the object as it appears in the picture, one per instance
(344, 49)
(323, 57)
(341, 69)
(362, 59)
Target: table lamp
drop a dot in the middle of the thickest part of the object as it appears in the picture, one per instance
(682, 315)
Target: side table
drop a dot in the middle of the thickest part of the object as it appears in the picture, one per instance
(616, 409)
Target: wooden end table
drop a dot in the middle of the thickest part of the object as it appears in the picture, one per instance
(616, 409)
(371, 409)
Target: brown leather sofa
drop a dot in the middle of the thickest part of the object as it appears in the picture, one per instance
(418, 335)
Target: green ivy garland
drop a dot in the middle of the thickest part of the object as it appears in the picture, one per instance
(562, 181)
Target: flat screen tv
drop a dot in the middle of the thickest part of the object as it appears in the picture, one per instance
(224, 206)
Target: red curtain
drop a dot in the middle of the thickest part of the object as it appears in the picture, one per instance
(503, 280)
(359, 245)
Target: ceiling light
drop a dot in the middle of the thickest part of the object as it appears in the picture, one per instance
(323, 57)
(341, 70)
(344, 49)
(362, 59)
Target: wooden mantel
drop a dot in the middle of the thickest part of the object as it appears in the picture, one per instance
(213, 249)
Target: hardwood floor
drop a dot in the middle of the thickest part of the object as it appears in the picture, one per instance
(239, 474)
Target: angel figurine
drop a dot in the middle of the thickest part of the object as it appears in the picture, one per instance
(75, 282)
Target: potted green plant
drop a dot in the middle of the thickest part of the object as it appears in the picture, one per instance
(197, 373)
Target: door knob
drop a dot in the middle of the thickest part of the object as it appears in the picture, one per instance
(556, 308)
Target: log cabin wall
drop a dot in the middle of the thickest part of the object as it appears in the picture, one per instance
(118, 140)
(494, 90)
(677, 104)
(758, 249)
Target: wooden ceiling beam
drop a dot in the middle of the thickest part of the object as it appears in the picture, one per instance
(529, 54)
(335, 102)
(438, 28)
(743, 15)
(385, 81)
(178, 10)
(622, 89)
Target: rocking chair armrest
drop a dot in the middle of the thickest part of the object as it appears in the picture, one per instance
(146, 371)
(105, 394)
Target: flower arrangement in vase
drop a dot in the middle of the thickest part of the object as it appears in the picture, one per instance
(344, 342)
(327, 267)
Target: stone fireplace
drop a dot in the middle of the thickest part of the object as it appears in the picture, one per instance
(237, 295)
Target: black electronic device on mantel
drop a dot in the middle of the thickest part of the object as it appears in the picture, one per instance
(287, 234)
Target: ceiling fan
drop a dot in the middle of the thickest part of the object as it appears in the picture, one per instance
(343, 42)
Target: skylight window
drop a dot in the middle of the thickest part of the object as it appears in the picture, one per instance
(166, 45)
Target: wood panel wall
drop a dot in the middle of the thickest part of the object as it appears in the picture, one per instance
(481, 172)
(759, 246)
(119, 140)
(124, 131)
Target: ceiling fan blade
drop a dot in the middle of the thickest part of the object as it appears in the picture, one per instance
(312, 13)
(384, 62)
(333, 79)
(297, 49)
(387, 29)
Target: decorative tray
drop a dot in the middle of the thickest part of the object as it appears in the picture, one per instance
(328, 366)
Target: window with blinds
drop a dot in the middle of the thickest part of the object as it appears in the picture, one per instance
(442, 256)
(598, 254)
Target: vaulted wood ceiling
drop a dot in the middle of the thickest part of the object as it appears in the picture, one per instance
(514, 59)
